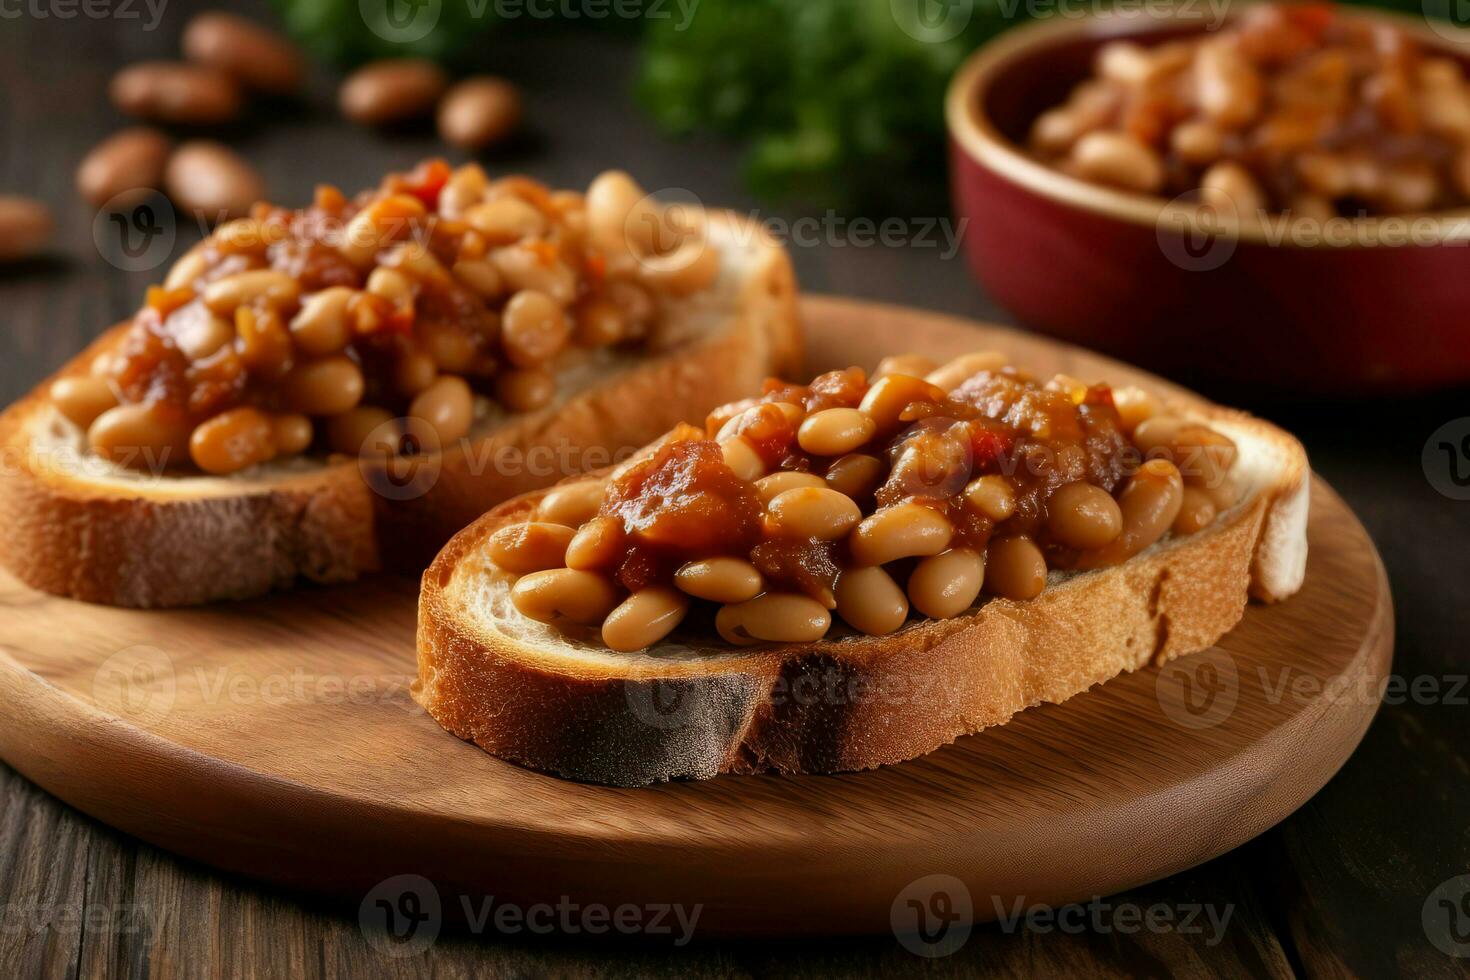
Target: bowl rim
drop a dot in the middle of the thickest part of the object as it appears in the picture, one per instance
(986, 146)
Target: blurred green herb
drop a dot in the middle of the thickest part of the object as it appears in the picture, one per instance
(842, 101)
(348, 32)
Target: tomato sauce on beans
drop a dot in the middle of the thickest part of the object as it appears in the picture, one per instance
(1302, 109)
(351, 311)
(868, 497)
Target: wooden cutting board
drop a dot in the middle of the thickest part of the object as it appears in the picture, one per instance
(277, 738)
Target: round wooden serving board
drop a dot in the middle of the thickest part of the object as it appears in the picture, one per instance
(277, 738)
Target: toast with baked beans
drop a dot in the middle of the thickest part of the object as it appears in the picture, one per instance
(855, 572)
(316, 393)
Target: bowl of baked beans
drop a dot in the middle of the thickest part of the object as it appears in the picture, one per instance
(1277, 197)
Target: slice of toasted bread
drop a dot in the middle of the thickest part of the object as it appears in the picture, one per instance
(79, 526)
(695, 707)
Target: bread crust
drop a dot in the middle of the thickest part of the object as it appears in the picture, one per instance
(852, 702)
(174, 541)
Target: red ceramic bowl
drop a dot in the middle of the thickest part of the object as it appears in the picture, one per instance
(1346, 307)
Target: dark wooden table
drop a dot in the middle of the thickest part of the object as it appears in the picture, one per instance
(1340, 888)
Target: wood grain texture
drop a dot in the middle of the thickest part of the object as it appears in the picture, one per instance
(1335, 890)
(278, 739)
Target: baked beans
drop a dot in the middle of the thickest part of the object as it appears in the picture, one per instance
(321, 326)
(1080, 515)
(597, 544)
(1118, 159)
(757, 514)
(481, 276)
(437, 287)
(890, 395)
(363, 431)
(811, 512)
(724, 580)
(991, 496)
(1134, 405)
(691, 267)
(1204, 457)
(1196, 511)
(905, 530)
(1014, 568)
(416, 370)
(775, 617)
(571, 503)
(1303, 109)
(141, 435)
(503, 220)
(531, 267)
(525, 389)
(620, 218)
(857, 475)
(870, 601)
(534, 328)
(770, 487)
(835, 431)
(948, 376)
(1149, 504)
(644, 618)
(599, 323)
(224, 296)
(292, 434)
(81, 399)
(584, 598)
(329, 386)
(945, 585)
(530, 547)
(743, 458)
(914, 365)
(233, 440)
(448, 405)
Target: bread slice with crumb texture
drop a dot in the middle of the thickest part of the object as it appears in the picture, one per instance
(79, 526)
(694, 707)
